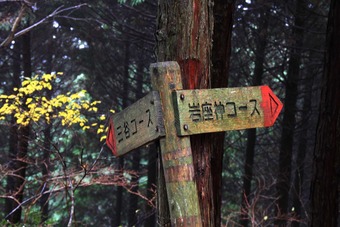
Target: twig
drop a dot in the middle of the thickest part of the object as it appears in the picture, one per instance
(17, 21)
(72, 203)
(14, 35)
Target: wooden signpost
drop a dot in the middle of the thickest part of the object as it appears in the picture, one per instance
(186, 112)
(137, 125)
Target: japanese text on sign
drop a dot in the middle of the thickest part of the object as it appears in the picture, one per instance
(128, 128)
(208, 111)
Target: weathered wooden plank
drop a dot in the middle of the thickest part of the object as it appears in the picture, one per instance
(137, 125)
(176, 151)
(223, 109)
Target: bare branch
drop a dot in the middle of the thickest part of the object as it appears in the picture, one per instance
(17, 21)
(56, 12)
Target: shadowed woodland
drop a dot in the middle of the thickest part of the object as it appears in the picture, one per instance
(67, 66)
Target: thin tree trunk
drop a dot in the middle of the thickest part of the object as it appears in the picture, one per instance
(125, 103)
(44, 203)
(325, 183)
(133, 203)
(10, 204)
(19, 157)
(152, 181)
(299, 178)
(288, 123)
(44, 206)
(251, 133)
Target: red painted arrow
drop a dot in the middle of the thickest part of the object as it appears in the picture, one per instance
(111, 138)
(271, 106)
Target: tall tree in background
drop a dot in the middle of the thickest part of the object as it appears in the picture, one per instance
(19, 157)
(288, 124)
(197, 36)
(261, 42)
(326, 184)
(10, 204)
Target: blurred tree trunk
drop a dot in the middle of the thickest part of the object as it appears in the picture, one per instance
(186, 33)
(10, 204)
(251, 133)
(125, 103)
(288, 123)
(326, 181)
(46, 164)
(152, 181)
(300, 178)
(18, 164)
(133, 203)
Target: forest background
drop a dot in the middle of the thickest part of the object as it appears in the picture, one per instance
(81, 61)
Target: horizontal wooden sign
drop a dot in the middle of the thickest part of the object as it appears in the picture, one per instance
(223, 109)
(137, 125)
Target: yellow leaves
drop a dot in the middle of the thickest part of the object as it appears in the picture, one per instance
(28, 100)
(101, 129)
(28, 104)
(93, 109)
(49, 77)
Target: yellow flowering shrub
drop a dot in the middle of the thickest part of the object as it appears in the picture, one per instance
(28, 105)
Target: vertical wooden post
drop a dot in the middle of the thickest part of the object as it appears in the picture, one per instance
(176, 152)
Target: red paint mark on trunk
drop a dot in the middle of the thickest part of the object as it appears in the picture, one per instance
(111, 139)
(190, 70)
(270, 105)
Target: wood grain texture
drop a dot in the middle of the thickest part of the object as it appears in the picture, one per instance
(137, 125)
(222, 109)
(175, 151)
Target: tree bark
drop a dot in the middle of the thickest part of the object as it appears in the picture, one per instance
(325, 183)
(185, 33)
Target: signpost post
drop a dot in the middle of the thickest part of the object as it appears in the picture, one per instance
(186, 112)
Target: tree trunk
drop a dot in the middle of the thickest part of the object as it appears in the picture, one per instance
(288, 123)
(152, 181)
(325, 183)
(133, 203)
(184, 34)
(46, 164)
(125, 103)
(19, 157)
(251, 133)
(11, 187)
(300, 178)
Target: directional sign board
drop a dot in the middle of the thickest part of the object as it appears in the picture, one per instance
(223, 109)
(137, 125)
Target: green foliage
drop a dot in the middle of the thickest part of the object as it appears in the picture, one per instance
(132, 2)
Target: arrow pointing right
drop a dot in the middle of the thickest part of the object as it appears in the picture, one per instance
(271, 106)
